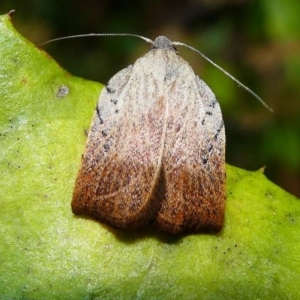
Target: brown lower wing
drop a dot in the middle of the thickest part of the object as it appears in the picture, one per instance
(193, 168)
(122, 159)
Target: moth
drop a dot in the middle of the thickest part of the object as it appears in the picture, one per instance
(155, 152)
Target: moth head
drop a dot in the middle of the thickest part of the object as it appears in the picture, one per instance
(163, 43)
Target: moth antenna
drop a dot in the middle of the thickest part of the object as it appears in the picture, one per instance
(174, 43)
(227, 74)
(97, 34)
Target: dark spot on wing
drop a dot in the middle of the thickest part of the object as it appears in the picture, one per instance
(219, 130)
(114, 101)
(99, 115)
(213, 103)
(204, 160)
(109, 89)
(106, 146)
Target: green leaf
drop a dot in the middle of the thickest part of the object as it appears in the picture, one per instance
(48, 253)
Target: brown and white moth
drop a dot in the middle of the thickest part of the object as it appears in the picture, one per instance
(156, 149)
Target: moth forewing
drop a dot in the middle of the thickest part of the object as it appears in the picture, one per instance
(121, 163)
(194, 156)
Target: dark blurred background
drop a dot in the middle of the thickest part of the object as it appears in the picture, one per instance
(256, 41)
